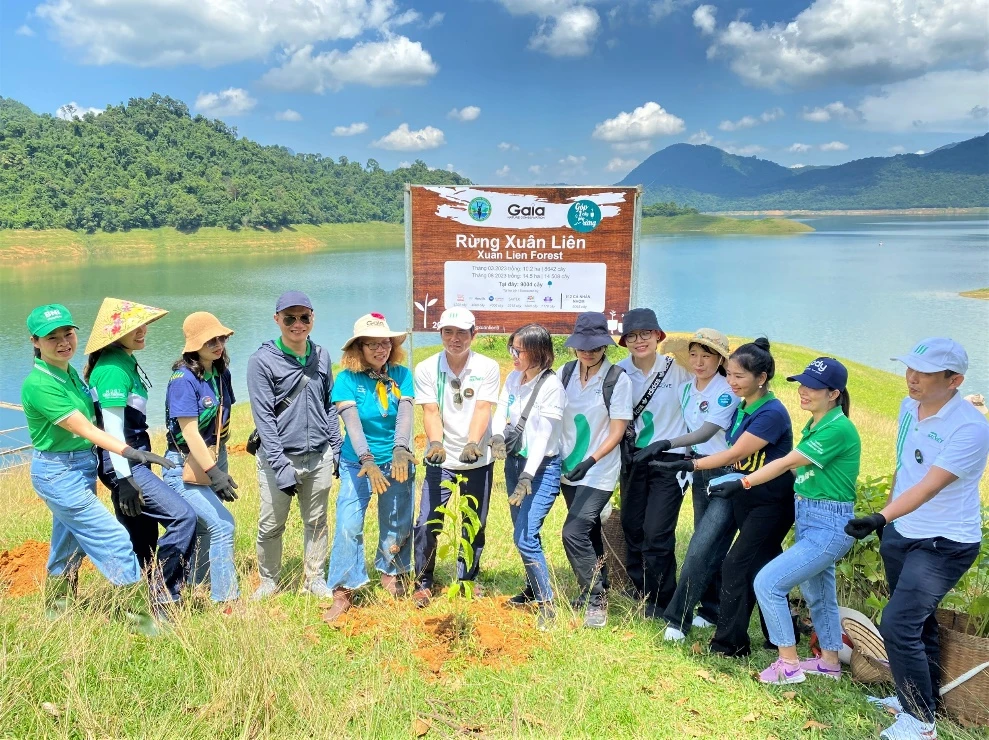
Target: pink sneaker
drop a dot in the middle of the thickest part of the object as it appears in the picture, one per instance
(780, 673)
(817, 667)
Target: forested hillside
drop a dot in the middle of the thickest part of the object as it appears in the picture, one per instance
(149, 163)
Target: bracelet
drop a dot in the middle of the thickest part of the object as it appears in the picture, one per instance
(746, 484)
(367, 456)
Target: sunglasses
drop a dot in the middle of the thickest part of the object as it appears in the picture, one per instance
(289, 320)
(374, 346)
(458, 397)
(216, 342)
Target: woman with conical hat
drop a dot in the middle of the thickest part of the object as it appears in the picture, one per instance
(141, 500)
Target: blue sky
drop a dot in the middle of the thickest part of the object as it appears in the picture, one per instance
(524, 91)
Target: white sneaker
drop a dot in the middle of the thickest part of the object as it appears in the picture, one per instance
(319, 589)
(886, 702)
(672, 634)
(700, 623)
(908, 727)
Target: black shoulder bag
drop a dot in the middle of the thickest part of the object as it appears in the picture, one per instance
(514, 435)
(254, 440)
(628, 440)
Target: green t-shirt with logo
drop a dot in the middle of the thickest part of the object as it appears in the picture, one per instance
(285, 348)
(835, 451)
(50, 395)
(118, 384)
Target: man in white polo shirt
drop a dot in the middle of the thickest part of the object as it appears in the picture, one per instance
(457, 389)
(934, 508)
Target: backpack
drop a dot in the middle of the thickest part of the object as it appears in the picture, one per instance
(607, 388)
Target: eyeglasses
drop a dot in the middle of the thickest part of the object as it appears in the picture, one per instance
(375, 346)
(457, 395)
(216, 342)
(515, 352)
(289, 320)
(639, 336)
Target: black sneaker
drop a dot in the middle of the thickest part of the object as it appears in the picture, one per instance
(653, 611)
(523, 598)
(597, 614)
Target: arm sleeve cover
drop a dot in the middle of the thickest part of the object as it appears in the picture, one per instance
(707, 430)
(113, 424)
(352, 423)
(543, 429)
(403, 422)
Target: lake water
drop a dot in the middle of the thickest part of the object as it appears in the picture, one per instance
(836, 290)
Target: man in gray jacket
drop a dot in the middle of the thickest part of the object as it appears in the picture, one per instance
(289, 381)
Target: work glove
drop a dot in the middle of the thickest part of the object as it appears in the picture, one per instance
(580, 469)
(130, 496)
(471, 453)
(498, 448)
(725, 489)
(222, 484)
(294, 488)
(146, 458)
(435, 454)
(864, 526)
(370, 470)
(648, 453)
(686, 466)
(402, 460)
(522, 489)
(336, 465)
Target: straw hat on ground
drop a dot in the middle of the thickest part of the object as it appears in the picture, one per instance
(199, 328)
(118, 318)
(979, 401)
(678, 345)
(372, 326)
(869, 661)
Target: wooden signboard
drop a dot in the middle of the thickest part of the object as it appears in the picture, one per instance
(513, 256)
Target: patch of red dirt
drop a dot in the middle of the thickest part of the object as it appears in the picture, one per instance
(237, 449)
(22, 570)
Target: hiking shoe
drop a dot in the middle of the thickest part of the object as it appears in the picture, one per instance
(700, 623)
(342, 603)
(266, 590)
(782, 672)
(524, 598)
(908, 727)
(58, 594)
(422, 596)
(817, 667)
(545, 616)
(887, 702)
(672, 634)
(142, 623)
(319, 589)
(597, 614)
(395, 585)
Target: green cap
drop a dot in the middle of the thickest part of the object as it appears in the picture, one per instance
(43, 320)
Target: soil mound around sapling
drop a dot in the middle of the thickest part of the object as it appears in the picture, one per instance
(22, 570)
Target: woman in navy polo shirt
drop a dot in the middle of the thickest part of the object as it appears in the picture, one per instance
(760, 434)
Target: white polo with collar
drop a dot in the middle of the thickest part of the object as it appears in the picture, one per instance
(955, 439)
(662, 418)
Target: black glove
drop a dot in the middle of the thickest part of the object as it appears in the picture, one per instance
(146, 458)
(648, 453)
(336, 465)
(435, 454)
(129, 496)
(727, 489)
(864, 526)
(580, 469)
(222, 484)
(498, 448)
(294, 488)
(676, 465)
(471, 453)
(522, 489)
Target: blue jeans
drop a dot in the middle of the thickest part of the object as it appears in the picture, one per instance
(214, 556)
(527, 519)
(820, 542)
(81, 524)
(394, 556)
(700, 576)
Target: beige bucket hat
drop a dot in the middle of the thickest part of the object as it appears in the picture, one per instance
(979, 401)
(373, 325)
(118, 318)
(678, 345)
(199, 328)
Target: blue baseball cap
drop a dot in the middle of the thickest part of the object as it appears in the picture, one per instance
(292, 298)
(824, 372)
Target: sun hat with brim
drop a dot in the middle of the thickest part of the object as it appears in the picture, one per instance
(590, 331)
(678, 345)
(116, 319)
(372, 326)
(824, 372)
(977, 400)
(640, 319)
(934, 355)
(199, 328)
(869, 662)
(43, 320)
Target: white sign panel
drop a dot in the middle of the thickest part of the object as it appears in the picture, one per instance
(525, 286)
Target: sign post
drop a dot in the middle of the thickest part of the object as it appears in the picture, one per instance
(514, 256)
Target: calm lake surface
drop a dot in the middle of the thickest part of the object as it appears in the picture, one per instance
(836, 290)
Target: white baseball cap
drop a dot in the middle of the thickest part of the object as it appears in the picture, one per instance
(936, 354)
(459, 318)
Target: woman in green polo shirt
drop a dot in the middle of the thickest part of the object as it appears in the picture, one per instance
(827, 465)
(60, 414)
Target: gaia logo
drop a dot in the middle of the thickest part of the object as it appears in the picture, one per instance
(584, 216)
(479, 209)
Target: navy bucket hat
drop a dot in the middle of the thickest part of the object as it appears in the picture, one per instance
(640, 319)
(590, 332)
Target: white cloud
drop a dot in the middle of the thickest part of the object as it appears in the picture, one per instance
(659, 9)
(502, 171)
(507, 146)
(743, 122)
(704, 18)
(536, 169)
(393, 61)
(24, 30)
(234, 101)
(403, 164)
(743, 151)
(449, 167)
(617, 164)
(920, 151)
(834, 146)
(468, 113)
(571, 33)
(898, 149)
(157, 33)
(72, 110)
(950, 102)
(435, 19)
(352, 130)
(799, 148)
(644, 122)
(701, 137)
(631, 147)
(797, 166)
(836, 110)
(572, 166)
(404, 140)
(288, 115)
(857, 41)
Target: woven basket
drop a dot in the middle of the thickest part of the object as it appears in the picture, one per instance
(869, 662)
(960, 652)
(614, 550)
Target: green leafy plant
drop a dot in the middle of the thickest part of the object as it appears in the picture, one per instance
(970, 596)
(459, 524)
(860, 575)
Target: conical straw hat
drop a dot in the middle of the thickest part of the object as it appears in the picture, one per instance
(117, 318)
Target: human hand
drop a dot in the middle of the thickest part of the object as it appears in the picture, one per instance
(294, 488)
(370, 470)
(471, 453)
(222, 484)
(686, 466)
(498, 448)
(725, 489)
(864, 526)
(402, 461)
(522, 489)
(648, 453)
(130, 496)
(580, 469)
(146, 458)
(435, 454)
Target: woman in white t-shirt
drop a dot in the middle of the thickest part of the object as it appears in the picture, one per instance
(532, 462)
(599, 407)
(708, 407)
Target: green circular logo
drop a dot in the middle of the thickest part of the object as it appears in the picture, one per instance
(479, 209)
(584, 216)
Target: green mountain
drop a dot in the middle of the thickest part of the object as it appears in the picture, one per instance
(705, 177)
(149, 163)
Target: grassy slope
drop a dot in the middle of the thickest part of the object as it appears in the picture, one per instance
(277, 671)
(704, 224)
(982, 293)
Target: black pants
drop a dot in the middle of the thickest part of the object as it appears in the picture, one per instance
(582, 537)
(763, 519)
(651, 501)
(920, 573)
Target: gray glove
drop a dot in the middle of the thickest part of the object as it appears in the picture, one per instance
(522, 489)
(498, 448)
(402, 460)
(435, 454)
(146, 458)
(130, 496)
(471, 453)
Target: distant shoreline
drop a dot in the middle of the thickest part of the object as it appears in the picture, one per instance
(867, 212)
(981, 293)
